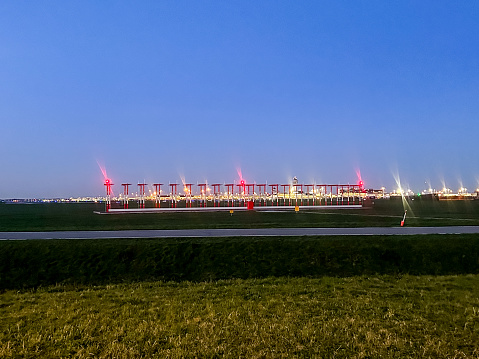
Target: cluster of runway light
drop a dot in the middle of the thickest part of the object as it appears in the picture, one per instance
(242, 194)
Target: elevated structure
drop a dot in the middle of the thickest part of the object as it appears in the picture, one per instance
(173, 194)
(262, 193)
(141, 195)
(284, 194)
(230, 187)
(188, 194)
(203, 196)
(216, 194)
(242, 193)
(157, 194)
(310, 193)
(298, 188)
(274, 193)
(248, 195)
(125, 194)
(108, 185)
(250, 191)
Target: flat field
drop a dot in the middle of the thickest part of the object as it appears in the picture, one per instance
(325, 297)
(387, 213)
(355, 317)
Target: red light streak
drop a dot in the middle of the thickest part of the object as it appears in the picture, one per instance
(105, 175)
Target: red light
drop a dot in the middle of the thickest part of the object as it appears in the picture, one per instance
(242, 182)
(361, 183)
(107, 181)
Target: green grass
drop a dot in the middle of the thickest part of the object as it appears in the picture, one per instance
(355, 317)
(80, 216)
(26, 264)
(325, 297)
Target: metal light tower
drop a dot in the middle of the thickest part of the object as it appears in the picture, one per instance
(230, 187)
(216, 192)
(188, 194)
(262, 194)
(203, 192)
(158, 194)
(250, 186)
(324, 191)
(296, 188)
(108, 185)
(141, 187)
(284, 194)
(308, 192)
(125, 194)
(274, 190)
(242, 189)
(173, 194)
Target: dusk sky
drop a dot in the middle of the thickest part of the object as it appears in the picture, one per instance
(159, 91)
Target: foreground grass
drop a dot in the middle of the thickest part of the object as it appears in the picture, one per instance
(356, 317)
(80, 216)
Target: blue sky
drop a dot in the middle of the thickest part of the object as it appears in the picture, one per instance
(156, 91)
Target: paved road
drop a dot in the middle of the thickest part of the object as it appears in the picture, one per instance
(368, 231)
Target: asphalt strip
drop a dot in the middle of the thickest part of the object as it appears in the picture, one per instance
(256, 232)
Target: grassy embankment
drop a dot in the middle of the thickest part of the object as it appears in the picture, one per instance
(356, 317)
(55, 217)
(26, 264)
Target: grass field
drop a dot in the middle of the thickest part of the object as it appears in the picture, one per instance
(356, 317)
(80, 216)
(27, 264)
(325, 297)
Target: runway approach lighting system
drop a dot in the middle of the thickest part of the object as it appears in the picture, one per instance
(108, 185)
(241, 195)
(125, 194)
